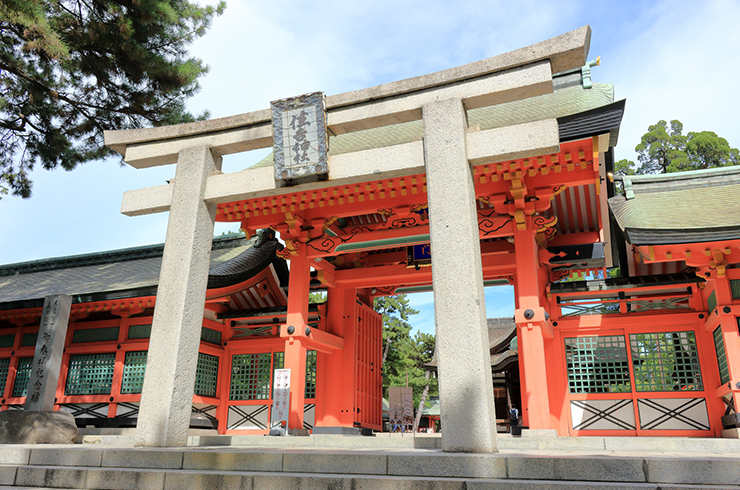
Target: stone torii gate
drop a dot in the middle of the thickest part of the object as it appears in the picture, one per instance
(447, 154)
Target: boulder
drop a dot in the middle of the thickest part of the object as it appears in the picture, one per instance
(27, 427)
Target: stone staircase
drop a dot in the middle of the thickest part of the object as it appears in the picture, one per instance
(107, 467)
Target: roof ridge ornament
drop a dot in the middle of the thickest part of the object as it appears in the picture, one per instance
(586, 71)
(629, 193)
(626, 180)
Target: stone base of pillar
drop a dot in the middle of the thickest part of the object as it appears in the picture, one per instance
(32, 427)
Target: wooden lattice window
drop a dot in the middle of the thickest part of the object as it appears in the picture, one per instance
(206, 375)
(22, 376)
(310, 374)
(4, 368)
(597, 364)
(666, 362)
(90, 374)
(719, 347)
(134, 368)
(250, 377)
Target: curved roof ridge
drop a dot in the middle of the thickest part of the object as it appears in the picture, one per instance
(231, 240)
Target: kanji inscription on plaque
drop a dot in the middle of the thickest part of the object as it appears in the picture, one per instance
(300, 143)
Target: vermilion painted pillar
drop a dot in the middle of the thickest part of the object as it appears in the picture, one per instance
(338, 400)
(294, 333)
(530, 321)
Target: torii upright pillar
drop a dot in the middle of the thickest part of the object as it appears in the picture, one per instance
(464, 365)
(167, 394)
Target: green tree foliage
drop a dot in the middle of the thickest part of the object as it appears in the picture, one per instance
(664, 148)
(403, 354)
(666, 362)
(317, 297)
(70, 69)
(396, 327)
(661, 148)
(707, 150)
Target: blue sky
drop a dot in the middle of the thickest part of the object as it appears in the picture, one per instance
(669, 59)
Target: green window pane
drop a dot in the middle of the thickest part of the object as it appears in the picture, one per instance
(719, 347)
(7, 340)
(206, 375)
(90, 374)
(139, 331)
(278, 360)
(250, 377)
(134, 367)
(666, 362)
(29, 340)
(711, 302)
(210, 335)
(95, 335)
(597, 364)
(310, 374)
(22, 375)
(735, 287)
(4, 368)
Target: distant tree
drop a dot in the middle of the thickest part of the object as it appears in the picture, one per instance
(662, 148)
(396, 327)
(665, 149)
(70, 69)
(706, 150)
(404, 356)
(624, 167)
(317, 297)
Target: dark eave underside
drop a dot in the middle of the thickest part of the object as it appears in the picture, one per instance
(605, 119)
(277, 311)
(644, 237)
(626, 282)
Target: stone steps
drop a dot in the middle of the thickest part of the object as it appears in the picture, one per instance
(434, 441)
(296, 468)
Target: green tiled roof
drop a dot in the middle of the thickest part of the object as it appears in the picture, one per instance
(118, 270)
(434, 409)
(568, 97)
(680, 207)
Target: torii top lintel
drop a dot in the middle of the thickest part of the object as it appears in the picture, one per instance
(520, 74)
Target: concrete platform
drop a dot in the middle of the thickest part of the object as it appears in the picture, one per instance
(309, 467)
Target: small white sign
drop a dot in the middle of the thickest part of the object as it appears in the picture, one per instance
(281, 398)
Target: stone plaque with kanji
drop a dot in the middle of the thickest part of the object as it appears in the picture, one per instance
(300, 143)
